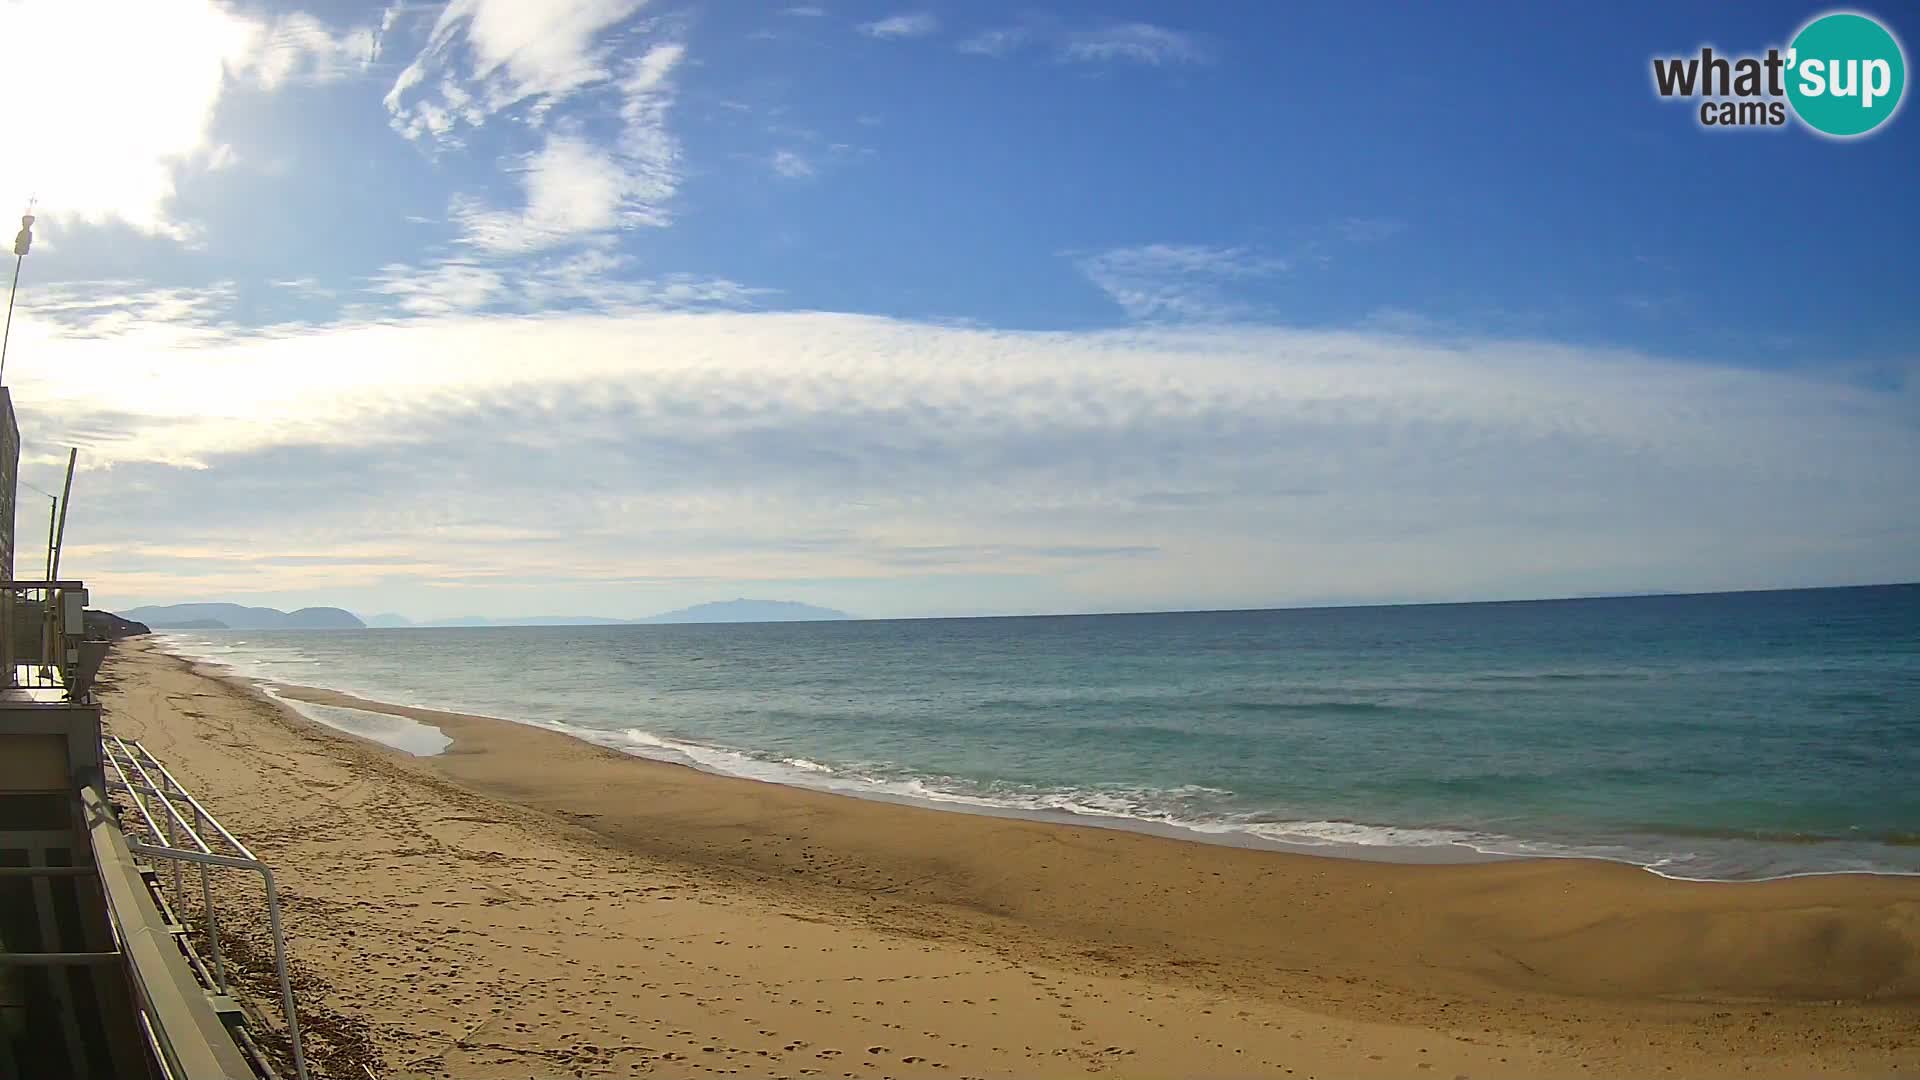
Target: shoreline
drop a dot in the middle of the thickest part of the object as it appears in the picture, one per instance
(480, 752)
(1283, 961)
(296, 695)
(519, 883)
(1467, 847)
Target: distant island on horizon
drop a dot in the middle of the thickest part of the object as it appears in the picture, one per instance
(223, 616)
(241, 617)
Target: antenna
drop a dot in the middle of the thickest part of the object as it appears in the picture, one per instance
(22, 241)
(60, 533)
(46, 610)
(53, 508)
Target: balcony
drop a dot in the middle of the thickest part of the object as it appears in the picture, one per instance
(99, 976)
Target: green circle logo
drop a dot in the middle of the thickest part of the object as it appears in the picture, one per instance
(1845, 75)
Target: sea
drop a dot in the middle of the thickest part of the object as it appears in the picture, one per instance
(1734, 736)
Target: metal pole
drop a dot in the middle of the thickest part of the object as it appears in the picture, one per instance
(286, 984)
(22, 242)
(46, 609)
(213, 921)
(173, 841)
(59, 959)
(60, 533)
(8, 336)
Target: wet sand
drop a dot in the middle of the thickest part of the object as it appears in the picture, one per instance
(526, 904)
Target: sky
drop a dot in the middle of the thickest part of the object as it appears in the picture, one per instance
(608, 307)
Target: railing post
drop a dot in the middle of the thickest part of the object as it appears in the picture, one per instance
(173, 841)
(286, 983)
(211, 913)
(6, 636)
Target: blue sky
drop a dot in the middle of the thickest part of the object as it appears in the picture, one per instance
(605, 307)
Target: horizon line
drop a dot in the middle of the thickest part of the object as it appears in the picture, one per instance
(507, 622)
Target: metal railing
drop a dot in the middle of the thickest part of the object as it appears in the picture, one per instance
(132, 769)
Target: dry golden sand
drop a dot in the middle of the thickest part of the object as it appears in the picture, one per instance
(527, 905)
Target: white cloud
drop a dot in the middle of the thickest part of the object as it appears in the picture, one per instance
(1185, 282)
(911, 25)
(574, 188)
(999, 42)
(1190, 259)
(306, 288)
(117, 115)
(1367, 230)
(792, 165)
(647, 75)
(1138, 42)
(108, 309)
(647, 148)
(726, 452)
(88, 146)
(593, 280)
(807, 11)
(603, 282)
(449, 287)
(297, 47)
(483, 56)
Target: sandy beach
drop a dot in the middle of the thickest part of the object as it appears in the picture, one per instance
(529, 905)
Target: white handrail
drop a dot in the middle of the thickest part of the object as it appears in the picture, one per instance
(121, 753)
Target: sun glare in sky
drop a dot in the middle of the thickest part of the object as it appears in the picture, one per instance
(611, 307)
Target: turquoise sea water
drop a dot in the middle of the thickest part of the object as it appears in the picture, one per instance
(1731, 736)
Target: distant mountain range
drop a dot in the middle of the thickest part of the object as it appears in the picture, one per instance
(722, 611)
(236, 617)
(391, 621)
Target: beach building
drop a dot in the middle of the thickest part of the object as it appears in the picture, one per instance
(110, 958)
